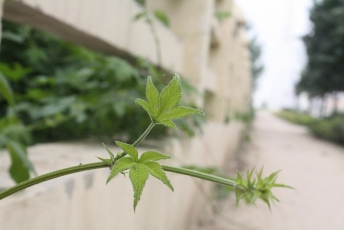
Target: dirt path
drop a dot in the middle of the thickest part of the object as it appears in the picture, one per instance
(313, 167)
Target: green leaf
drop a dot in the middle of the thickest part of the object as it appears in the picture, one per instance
(112, 157)
(162, 17)
(169, 124)
(152, 156)
(121, 165)
(21, 166)
(162, 109)
(138, 176)
(170, 95)
(5, 90)
(155, 170)
(106, 161)
(145, 106)
(129, 149)
(152, 96)
(181, 112)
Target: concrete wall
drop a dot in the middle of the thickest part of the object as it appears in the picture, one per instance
(213, 55)
(104, 25)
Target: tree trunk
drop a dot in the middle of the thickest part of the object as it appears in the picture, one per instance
(310, 105)
(323, 100)
(335, 102)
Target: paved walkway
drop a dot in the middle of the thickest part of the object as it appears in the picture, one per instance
(313, 167)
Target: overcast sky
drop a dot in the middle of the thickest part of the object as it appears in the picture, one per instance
(279, 25)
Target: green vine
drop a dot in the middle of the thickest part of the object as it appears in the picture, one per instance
(163, 109)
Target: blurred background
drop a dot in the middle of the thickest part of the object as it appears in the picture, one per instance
(268, 74)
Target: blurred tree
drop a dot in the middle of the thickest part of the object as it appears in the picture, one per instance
(324, 72)
(257, 67)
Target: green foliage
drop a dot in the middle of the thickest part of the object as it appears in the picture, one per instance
(139, 168)
(5, 90)
(14, 136)
(162, 108)
(58, 91)
(331, 129)
(296, 117)
(66, 92)
(325, 49)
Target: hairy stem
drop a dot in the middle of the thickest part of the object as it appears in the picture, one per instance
(204, 176)
(143, 136)
(50, 176)
(137, 142)
(67, 171)
(98, 165)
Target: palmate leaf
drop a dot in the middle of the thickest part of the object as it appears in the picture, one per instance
(163, 108)
(139, 169)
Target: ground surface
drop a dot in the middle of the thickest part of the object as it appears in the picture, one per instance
(313, 167)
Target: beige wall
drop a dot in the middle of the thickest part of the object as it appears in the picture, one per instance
(103, 25)
(213, 55)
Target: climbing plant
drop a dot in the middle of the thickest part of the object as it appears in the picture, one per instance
(162, 108)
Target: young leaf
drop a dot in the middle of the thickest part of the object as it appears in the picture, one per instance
(152, 156)
(121, 165)
(129, 149)
(162, 109)
(155, 170)
(106, 161)
(138, 177)
(112, 157)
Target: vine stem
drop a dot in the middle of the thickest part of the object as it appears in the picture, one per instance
(98, 165)
(203, 176)
(67, 171)
(50, 176)
(137, 142)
